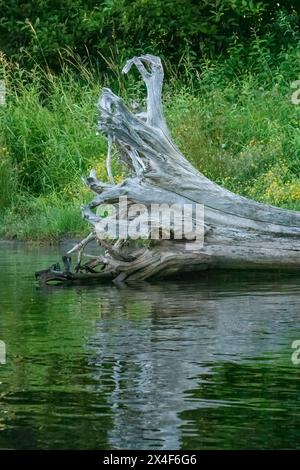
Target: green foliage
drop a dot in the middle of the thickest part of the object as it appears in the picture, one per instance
(48, 126)
(231, 114)
(41, 218)
(243, 132)
(7, 179)
(38, 31)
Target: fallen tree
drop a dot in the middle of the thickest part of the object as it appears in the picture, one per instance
(238, 233)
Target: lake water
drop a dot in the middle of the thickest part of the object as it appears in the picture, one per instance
(198, 364)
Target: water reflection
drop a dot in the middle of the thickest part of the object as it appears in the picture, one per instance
(197, 364)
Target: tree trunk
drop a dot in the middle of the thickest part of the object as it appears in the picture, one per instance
(238, 233)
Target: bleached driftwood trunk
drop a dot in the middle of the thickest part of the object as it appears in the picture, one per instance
(239, 233)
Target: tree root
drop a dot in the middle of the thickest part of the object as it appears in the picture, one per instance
(238, 233)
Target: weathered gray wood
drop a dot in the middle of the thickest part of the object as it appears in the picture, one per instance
(239, 233)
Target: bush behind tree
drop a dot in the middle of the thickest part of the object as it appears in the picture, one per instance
(38, 31)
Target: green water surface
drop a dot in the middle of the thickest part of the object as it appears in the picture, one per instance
(197, 364)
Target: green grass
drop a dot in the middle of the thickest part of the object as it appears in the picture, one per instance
(234, 120)
(42, 219)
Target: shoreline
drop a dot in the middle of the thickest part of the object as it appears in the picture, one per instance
(41, 242)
